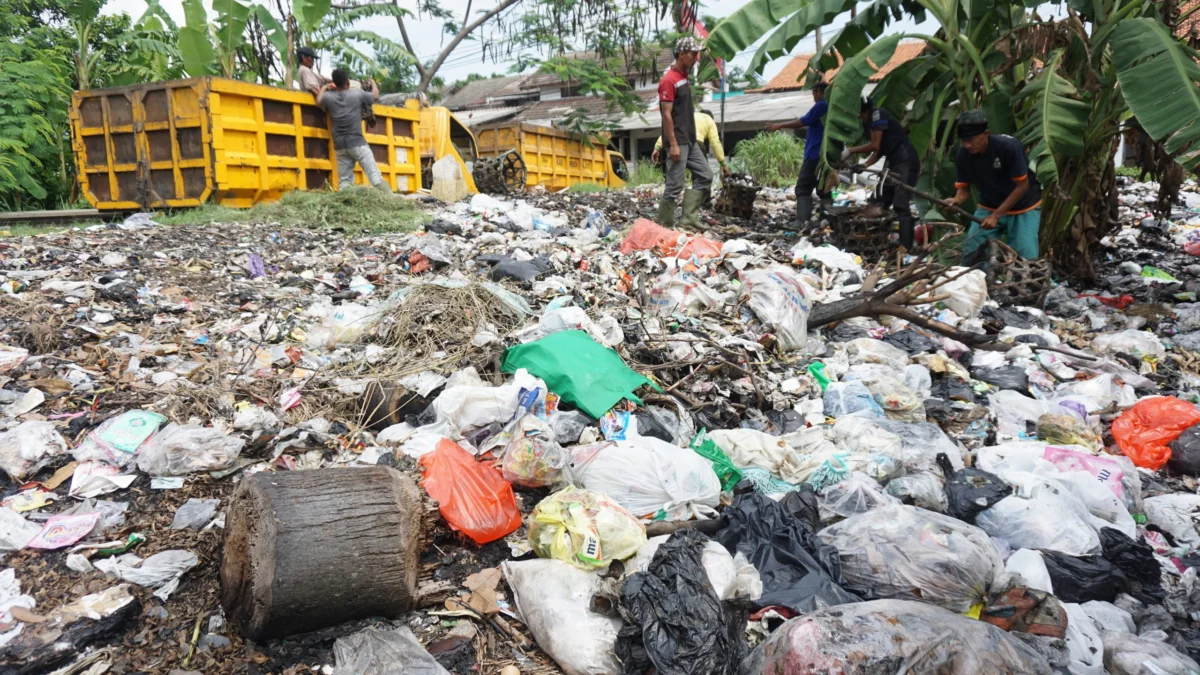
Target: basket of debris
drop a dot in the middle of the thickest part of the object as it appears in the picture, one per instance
(1014, 280)
(738, 193)
(863, 230)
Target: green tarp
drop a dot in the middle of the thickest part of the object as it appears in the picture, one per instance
(581, 371)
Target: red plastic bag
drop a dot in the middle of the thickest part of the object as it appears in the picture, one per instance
(648, 235)
(1192, 248)
(701, 247)
(1144, 430)
(473, 497)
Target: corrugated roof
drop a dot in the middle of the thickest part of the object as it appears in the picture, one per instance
(477, 92)
(1189, 28)
(788, 78)
(759, 108)
(548, 112)
(480, 116)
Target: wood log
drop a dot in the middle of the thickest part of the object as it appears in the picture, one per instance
(310, 549)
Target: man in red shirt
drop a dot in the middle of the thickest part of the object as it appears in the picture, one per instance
(679, 135)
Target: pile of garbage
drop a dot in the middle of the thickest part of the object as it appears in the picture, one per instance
(637, 449)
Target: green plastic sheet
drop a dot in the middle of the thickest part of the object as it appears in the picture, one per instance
(725, 469)
(578, 369)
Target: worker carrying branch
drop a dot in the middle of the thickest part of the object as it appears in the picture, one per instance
(887, 138)
(709, 139)
(813, 122)
(679, 129)
(1009, 196)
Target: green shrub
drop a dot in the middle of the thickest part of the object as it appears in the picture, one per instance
(587, 187)
(355, 209)
(772, 159)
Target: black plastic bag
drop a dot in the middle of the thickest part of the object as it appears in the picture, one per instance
(911, 341)
(1008, 377)
(520, 270)
(1084, 578)
(952, 389)
(969, 491)
(648, 426)
(785, 422)
(1136, 559)
(1007, 317)
(1185, 452)
(798, 571)
(802, 504)
(675, 623)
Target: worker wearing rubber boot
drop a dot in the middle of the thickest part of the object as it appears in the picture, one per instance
(888, 139)
(679, 130)
(709, 138)
(1009, 196)
(813, 122)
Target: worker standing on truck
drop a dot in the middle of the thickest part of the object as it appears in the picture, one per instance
(813, 122)
(345, 106)
(886, 138)
(709, 139)
(1009, 197)
(679, 128)
(310, 80)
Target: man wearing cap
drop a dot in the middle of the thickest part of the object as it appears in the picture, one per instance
(888, 139)
(679, 131)
(814, 122)
(709, 138)
(310, 80)
(1009, 196)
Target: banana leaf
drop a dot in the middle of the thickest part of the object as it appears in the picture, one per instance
(1160, 81)
(842, 123)
(1056, 122)
(276, 33)
(232, 17)
(309, 13)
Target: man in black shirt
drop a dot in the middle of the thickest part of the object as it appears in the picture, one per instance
(886, 138)
(1009, 196)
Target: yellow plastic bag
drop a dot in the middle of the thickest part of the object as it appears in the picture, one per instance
(583, 528)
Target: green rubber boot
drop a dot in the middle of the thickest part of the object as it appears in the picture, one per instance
(666, 212)
(691, 208)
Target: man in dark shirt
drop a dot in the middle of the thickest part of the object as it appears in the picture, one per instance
(886, 138)
(1009, 196)
(814, 122)
(345, 108)
(679, 134)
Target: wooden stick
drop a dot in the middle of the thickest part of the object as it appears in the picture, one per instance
(925, 195)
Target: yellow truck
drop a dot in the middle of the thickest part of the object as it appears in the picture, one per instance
(185, 142)
(550, 157)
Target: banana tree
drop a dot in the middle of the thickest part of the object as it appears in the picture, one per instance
(153, 53)
(82, 15)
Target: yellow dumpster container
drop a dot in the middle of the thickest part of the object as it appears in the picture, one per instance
(185, 142)
(553, 157)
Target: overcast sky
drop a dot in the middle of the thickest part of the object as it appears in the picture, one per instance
(428, 39)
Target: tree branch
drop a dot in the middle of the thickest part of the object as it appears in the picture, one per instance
(427, 76)
(408, 45)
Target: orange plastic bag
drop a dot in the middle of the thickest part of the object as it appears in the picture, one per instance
(1144, 430)
(473, 497)
(648, 235)
(702, 248)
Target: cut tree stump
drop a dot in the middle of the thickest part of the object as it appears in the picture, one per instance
(310, 549)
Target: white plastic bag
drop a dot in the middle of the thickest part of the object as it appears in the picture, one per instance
(967, 293)
(780, 300)
(750, 447)
(842, 399)
(1107, 616)
(1137, 343)
(729, 579)
(375, 651)
(904, 552)
(29, 447)
(926, 490)
(162, 570)
(178, 450)
(648, 476)
(1127, 654)
(1083, 642)
(858, 493)
(870, 350)
(1029, 568)
(553, 599)
(462, 409)
(681, 292)
(1047, 521)
(15, 531)
(1177, 514)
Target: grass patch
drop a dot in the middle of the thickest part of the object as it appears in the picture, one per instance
(646, 173)
(355, 209)
(1132, 172)
(772, 159)
(587, 187)
(16, 230)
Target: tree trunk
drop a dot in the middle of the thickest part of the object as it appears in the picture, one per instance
(310, 549)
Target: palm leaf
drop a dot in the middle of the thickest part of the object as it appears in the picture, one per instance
(1056, 121)
(842, 124)
(1161, 84)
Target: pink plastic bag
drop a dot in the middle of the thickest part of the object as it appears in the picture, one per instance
(1107, 471)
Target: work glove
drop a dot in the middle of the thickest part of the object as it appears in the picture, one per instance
(858, 168)
(846, 154)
